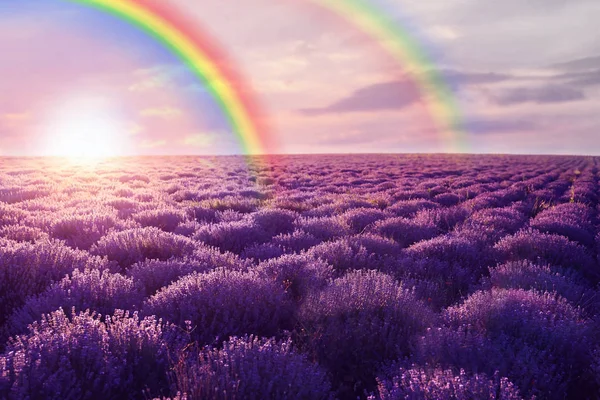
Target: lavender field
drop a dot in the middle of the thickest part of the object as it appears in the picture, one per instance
(300, 277)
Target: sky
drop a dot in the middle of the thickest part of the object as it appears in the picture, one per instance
(525, 76)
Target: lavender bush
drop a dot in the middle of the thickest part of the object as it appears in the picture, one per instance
(544, 278)
(135, 245)
(445, 219)
(572, 220)
(262, 252)
(153, 275)
(404, 231)
(492, 224)
(221, 303)
(83, 357)
(539, 341)
(390, 276)
(99, 291)
(542, 247)
(21, 233)
(165, 218)
(408, 208)
(298, 275)
(295, 242)
(438, 384)
(358, 321)
(323, 228)
(345, 256)
(251, 368)
(29, 268)
(274, 221)
(358, 219)
(232, 236)
(452, 249)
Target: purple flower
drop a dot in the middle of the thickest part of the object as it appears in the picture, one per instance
(546, 248)
(163, 218)
(251, 368)
(295, 242)
(298, 275)
(539, 341)
(134, 245)
(29, 268)
(83, 357)
(572, 220)
(232, 236)
(440, 384)
(361, 320)
(404, 231)
(274, 221)
(221, 303)
(100, 291)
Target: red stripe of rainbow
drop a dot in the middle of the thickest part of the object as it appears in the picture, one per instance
(436, 94)
(234, 97)
(208, 63)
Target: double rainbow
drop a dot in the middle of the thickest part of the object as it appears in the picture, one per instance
(196, 49)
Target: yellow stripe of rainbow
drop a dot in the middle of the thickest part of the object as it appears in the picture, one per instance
(240, 112)
(193, 53)
(436, 95)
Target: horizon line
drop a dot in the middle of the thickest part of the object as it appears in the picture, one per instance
(302, 154)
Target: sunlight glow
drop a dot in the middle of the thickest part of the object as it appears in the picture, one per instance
(85, 130)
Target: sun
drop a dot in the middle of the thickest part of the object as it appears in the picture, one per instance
(85, 130)
(89, 138)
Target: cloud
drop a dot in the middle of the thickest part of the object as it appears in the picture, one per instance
(11, 123)
(444, 32)
(515, 8)
(377, 97)
(152, 144)
(585, 78)
(148, 84)
(196, 87)
(151, 78)
(156, 77)
(162, 112)
(510, 33)
(200, 140)
(580, 64)
(167, 70)
(482, 126)
(15, 118)
(460, 78)
(547, 94)
(591, 78)
(134, 128)
(351, 137)
(579, 72)
(402, 93)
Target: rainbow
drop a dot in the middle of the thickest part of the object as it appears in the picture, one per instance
(398, 43)
(208, 63)
(234, 97)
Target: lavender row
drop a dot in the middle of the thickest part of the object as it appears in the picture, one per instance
(377, 276)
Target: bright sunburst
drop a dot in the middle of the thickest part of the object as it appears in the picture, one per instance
(84, 130)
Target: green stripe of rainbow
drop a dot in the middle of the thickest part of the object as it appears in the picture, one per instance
(234, 98)
(436, 95)
(202, 57)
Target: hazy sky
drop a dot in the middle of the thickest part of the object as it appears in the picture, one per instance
(526, 76)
